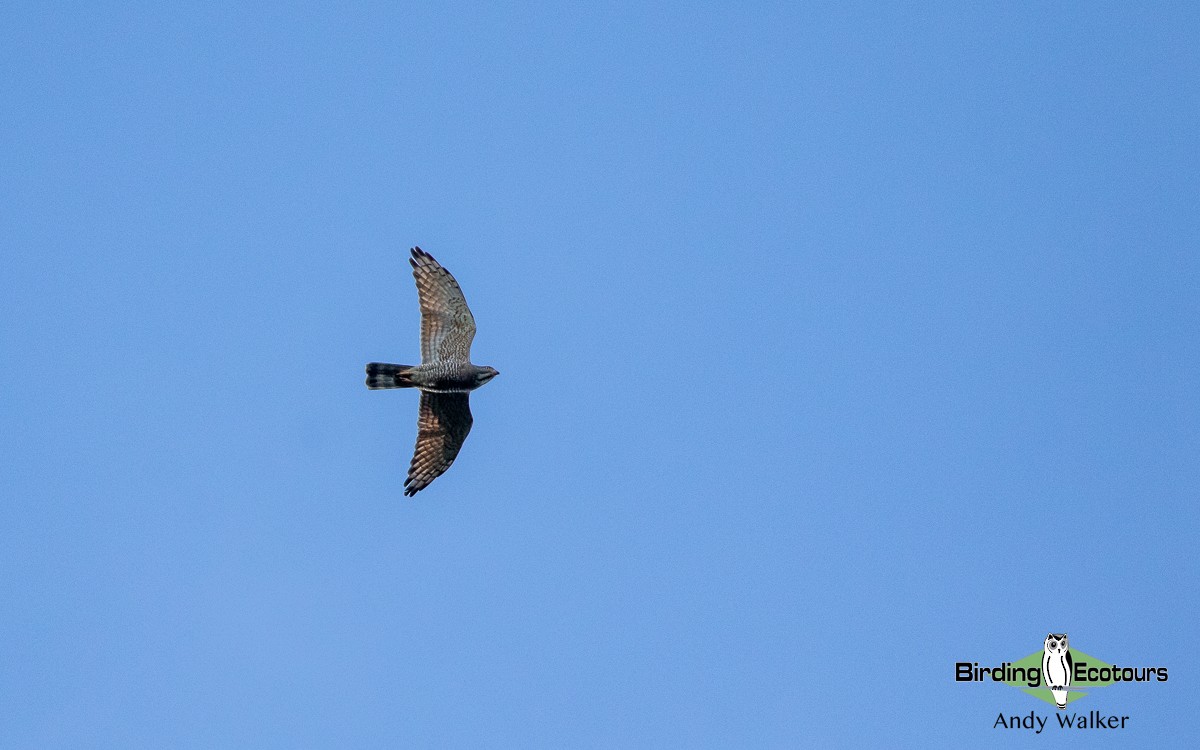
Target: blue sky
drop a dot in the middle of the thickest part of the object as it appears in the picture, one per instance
(839, 343)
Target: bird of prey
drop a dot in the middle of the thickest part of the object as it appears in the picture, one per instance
(445, 376)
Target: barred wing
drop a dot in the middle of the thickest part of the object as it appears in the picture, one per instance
(447, 326)
(442, 426)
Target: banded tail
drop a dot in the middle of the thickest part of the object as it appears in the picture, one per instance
(383, 375)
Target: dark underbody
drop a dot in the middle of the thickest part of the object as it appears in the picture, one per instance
(447, 384)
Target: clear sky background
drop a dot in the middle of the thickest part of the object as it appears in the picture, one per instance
(838, 343)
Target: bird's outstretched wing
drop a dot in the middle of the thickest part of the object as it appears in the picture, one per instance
(442, 426)
(447, 326)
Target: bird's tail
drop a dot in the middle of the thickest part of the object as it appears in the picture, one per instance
(383, 375)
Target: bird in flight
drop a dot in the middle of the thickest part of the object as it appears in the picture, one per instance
(445, 376)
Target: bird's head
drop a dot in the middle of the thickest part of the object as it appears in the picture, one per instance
(485, 374)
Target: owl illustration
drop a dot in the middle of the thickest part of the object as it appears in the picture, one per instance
(1057, 667)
